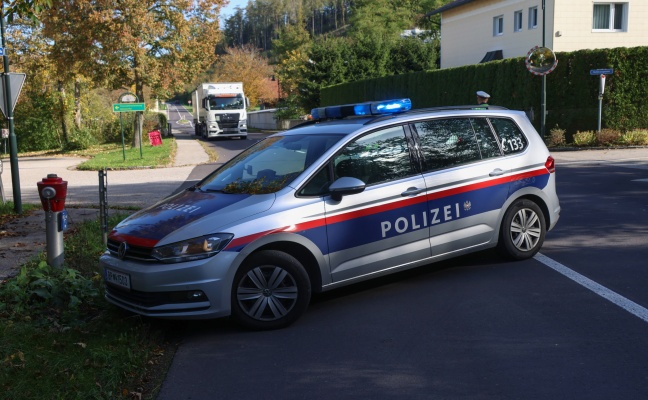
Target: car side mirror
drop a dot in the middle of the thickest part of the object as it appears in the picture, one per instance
(345, 186)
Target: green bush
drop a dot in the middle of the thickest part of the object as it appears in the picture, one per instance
(154, 121)
(289, 108)
(586, 138)
(48, 294)
(637, 137)
(81, 139)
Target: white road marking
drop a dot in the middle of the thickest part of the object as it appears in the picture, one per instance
(628, 305)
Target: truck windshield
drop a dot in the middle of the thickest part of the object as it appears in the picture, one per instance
(226, 103)
(270, 165)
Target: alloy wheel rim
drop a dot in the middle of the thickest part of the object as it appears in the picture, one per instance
(525, 229)
(267, 293)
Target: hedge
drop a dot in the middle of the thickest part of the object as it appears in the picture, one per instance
(571, 97)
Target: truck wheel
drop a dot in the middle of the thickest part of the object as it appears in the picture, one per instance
(271, 290)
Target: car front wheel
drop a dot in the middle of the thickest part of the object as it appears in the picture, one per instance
(523, 230)
(271, 290)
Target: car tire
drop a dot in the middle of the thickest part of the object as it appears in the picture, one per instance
(523, 230)
(271, 290)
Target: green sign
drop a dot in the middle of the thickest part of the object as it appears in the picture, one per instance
(128, 107)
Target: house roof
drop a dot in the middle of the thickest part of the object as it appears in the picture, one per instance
(449, 6)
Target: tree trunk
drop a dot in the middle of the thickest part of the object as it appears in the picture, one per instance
(77, 104)
(64, 128)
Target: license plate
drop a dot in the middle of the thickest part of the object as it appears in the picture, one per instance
(117, 278)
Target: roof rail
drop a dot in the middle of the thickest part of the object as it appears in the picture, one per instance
(432, 109)
(459, 107)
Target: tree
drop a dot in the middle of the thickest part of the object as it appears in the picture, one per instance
(245, 64)
(155, 43)
(385, 18)
(24, 8)
(291, 38)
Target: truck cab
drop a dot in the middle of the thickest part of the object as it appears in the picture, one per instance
(220, 110)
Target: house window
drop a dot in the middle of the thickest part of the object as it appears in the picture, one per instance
(533, 17)
(498, 25)
(610, 17)
(517, 21)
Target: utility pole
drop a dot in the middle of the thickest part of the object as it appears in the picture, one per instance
(13, 144)
(543, 100)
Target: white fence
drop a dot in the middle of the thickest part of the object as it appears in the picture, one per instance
(265, 120)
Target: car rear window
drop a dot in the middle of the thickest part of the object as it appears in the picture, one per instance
(511, 138)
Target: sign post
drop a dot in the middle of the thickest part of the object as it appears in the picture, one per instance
(128, 102)
(541, 61)
(601, 72)
(13, 142)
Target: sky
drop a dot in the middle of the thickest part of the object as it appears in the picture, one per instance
(229, 9)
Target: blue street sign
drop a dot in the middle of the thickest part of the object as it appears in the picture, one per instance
(602, 71)
(1, 51)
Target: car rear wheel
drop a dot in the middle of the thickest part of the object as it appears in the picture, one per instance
(523, 230)
(271, 291)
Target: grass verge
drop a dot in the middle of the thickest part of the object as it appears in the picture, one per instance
(129, 157)
(7, 211)
(59, 338)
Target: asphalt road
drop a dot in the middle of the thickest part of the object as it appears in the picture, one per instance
(570, 324)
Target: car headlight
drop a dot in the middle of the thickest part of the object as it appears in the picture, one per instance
(192, 249)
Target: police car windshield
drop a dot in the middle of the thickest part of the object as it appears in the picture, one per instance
(270, 165)
(232, 102)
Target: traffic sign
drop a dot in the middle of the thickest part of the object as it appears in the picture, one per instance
(602, 71)
(2, 51)
(128, 107)
(16, 82)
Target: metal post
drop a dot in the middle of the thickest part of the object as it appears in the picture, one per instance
(2, 195)
(103, 205)
(121, 125)
(139, 116)
(543, 100)
(54, 238)
(13, 142)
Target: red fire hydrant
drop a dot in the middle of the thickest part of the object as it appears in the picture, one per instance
(52, 191)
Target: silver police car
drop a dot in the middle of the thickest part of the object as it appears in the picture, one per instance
(361, 191)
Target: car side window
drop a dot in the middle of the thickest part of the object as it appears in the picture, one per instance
(510, 137)
(447, 142)
(377, 157)
(487, 142)
(318, 184)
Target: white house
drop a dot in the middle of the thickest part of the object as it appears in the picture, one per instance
(474, 31)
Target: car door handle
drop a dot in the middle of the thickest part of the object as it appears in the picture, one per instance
(413, 191)
(496, 172)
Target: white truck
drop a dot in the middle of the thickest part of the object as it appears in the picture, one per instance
(219, 110)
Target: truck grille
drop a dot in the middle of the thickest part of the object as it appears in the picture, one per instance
(229, 120)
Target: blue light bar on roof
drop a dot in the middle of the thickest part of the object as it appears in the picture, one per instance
(371, 108)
